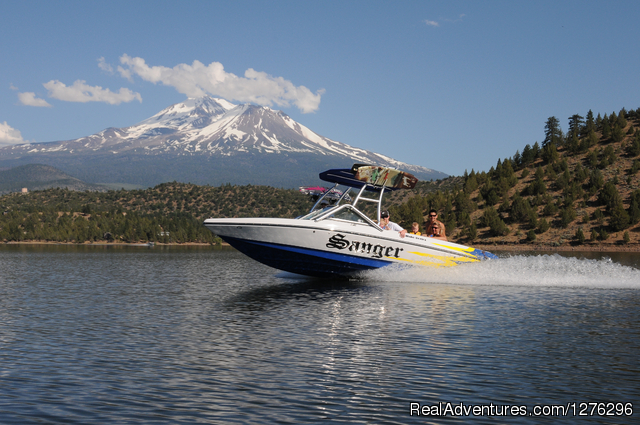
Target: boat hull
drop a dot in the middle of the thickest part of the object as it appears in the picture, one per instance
(335, 248)
(303, 260)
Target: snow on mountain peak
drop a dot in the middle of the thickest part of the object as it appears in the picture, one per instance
(196, 112)
(215, 127)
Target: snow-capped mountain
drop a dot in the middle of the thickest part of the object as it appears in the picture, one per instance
(206, 129)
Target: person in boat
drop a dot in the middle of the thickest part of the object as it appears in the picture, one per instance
(415, 229)
(436, 232)
(433, 220)
(390, 225)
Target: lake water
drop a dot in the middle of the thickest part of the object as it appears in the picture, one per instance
(95, 335)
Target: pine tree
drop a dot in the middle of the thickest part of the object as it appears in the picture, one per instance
(603, 235)
(573, 145)
(553, 133)
(471, 184)
(609, 196)
(619, 218)
(567, 215)
(598, 216)
(634, 207)
(517, 159)
(613, 118)
(617, 134)
(579, 174)
(492, 219)
(472, 233)
(596, 180)
(550, 153)
(634, 147)
(590, 124)
(606, 128)
(622, 121)
(536, 150)
(528, 155)
(543, 225)
(607, 157)
(575, 125)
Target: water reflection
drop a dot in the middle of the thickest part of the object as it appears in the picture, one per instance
(303, 289)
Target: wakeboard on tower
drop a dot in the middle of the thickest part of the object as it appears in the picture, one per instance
(384, 176)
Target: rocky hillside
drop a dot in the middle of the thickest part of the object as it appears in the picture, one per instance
(580, 188)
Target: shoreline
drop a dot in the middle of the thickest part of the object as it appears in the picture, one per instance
(141, 244)
(484, 247)
(562, 248)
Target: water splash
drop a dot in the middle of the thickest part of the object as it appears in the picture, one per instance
(521, 270)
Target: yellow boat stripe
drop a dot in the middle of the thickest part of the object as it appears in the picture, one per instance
(437, 260)
(467, 249)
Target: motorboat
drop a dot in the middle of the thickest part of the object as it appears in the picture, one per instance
(339, 239)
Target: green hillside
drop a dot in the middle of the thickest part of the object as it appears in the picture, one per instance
(580, 188)
(170, 212)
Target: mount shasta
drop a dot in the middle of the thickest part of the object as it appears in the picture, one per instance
(204, 141)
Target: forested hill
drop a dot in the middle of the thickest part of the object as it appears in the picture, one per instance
(577, 188)
(169, 212)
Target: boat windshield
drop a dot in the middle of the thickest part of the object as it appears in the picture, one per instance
(316, 213)
(342, 212)
(348, 215)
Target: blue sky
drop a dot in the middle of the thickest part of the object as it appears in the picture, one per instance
(450, 85)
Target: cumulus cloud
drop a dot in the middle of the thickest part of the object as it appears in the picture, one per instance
(9, 135)
(197, 79)
(81, 92)
(431, 23)
(30, 99)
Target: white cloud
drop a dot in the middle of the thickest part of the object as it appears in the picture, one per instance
(81, 92)
(445, 20)
(30, 99)
(9, 135)
(103, 65)
(197, 79)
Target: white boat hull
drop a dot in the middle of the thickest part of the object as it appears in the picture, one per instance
(335, 247)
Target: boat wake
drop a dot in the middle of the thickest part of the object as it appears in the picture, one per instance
(521, 270)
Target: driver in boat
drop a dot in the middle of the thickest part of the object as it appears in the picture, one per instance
(390, 225)
(435, 232)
